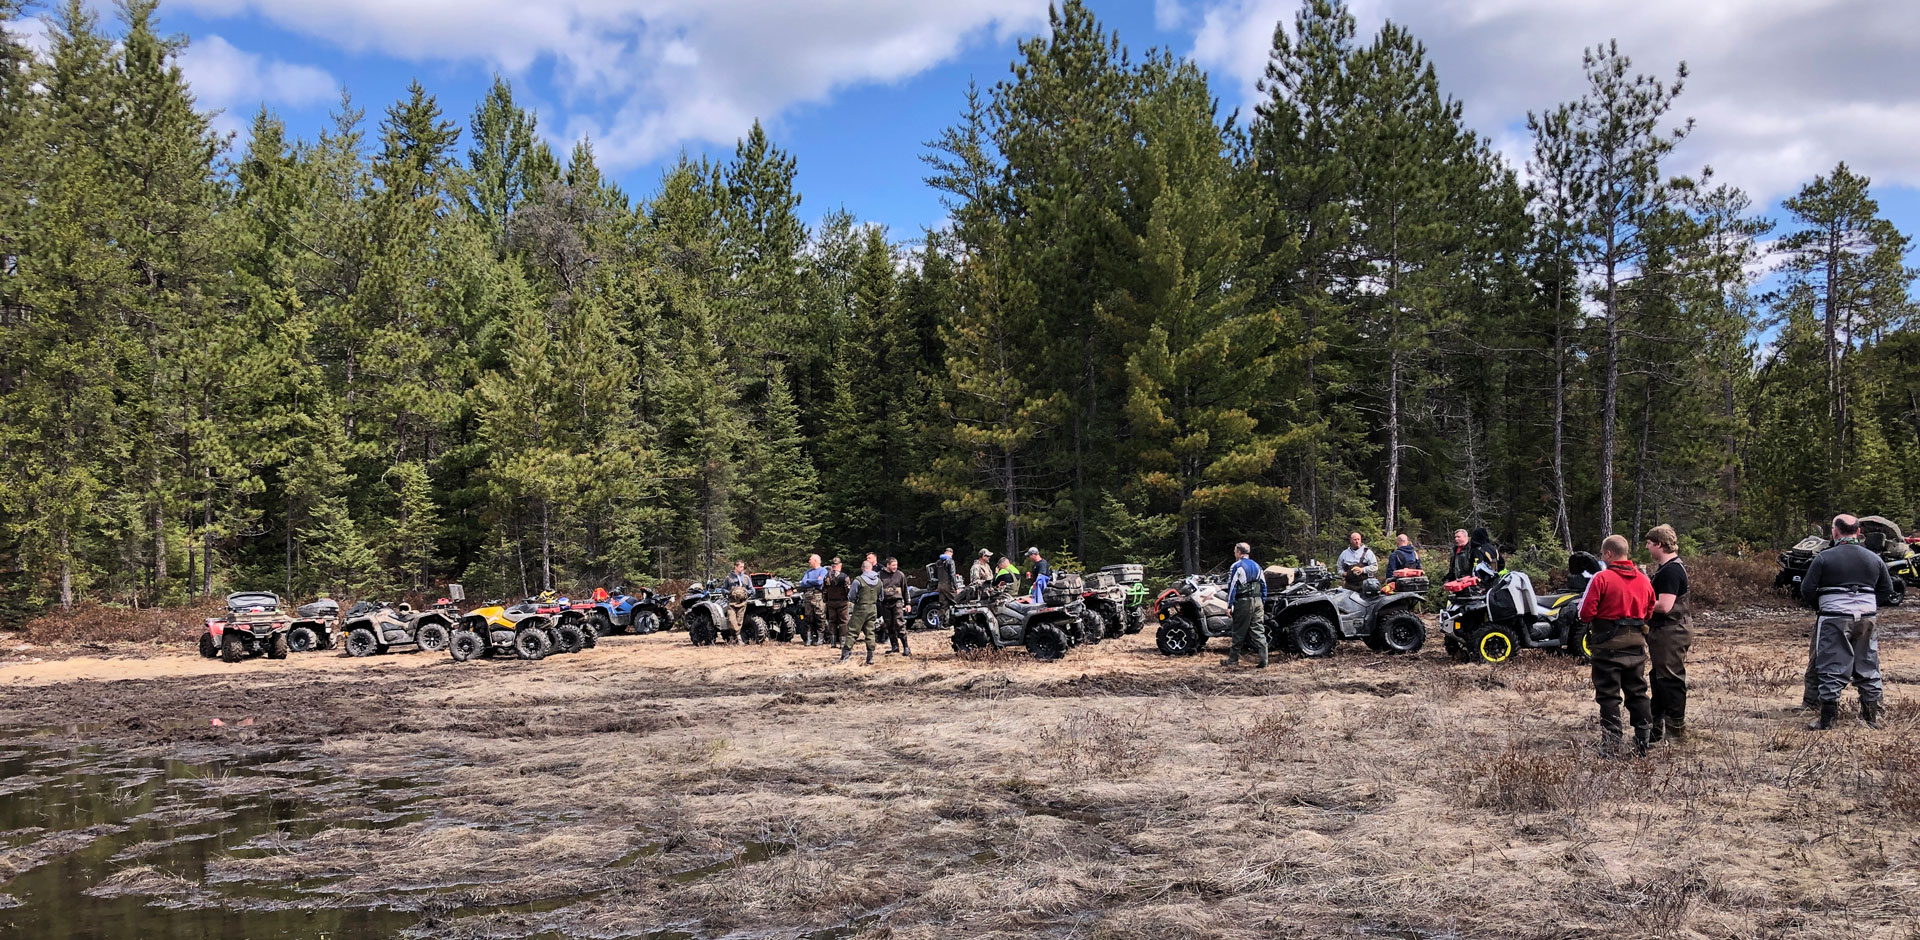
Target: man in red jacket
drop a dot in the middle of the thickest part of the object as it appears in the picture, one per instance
(1617, 604)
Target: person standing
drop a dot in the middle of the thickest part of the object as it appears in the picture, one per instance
(982, 570)
(1617, 604)
(1461, 564)
(811, 584)
(739, 589)
(1357, 561)
(1006, 576)
(1040, 572)
(1404, 557)
(835, 590)
(1668, 636)
(946, 583)
(893, 605)
(865, 594)
(1847, 585)
(1246, 594)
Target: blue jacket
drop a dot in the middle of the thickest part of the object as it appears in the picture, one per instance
(1245, 571)
(1042, 573)
(815, 578)
(1403, 558)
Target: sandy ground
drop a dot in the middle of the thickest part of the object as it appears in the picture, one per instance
(649, 788)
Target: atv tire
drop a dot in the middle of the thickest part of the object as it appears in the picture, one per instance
(1402, 631)
(303, 639)
(1376, 640)
(590, 635)
(601, 623)
(532, 644)
(1046, 641)
(700, 628)
(1314, 636)
(232, 648)
(1455, 649)
(753, 629)
(970, 635)
(644, 622)
(362, 642)
(277, 647)
(207, 647)
(465, 645)
(433, 637)
(1093, 628)
(1136, 621)
(1179, 637)
(1492, 645)
(789, 627)
(567, 638)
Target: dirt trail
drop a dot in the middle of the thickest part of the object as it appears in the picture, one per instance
(650, 786)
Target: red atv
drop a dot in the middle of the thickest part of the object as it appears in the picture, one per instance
(254, 624)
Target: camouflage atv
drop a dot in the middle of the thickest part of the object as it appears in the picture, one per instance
(375, 627)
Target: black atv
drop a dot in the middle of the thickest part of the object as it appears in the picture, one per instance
(1116, 596)
(1879, 534)
(983, 619)
(1493, 615)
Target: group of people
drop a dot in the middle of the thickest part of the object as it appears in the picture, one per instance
(1357, 562)
(872, 605)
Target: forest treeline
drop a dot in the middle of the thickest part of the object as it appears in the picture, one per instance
(411, 349)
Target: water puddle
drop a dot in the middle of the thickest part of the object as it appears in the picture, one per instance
(100, 843)
(753, 852)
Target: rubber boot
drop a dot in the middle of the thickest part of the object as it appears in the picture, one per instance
(869, 655)
(1657, 732)
(1829, 712)
(846, 653)
(905, 650)
(1263, 660)
(1870, 712)
(1233, 659)
(893, 644)
(1642, 740)
(1676, 730)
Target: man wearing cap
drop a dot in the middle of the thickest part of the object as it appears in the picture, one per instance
(1040, 572)
(982, 570)
(946, 581)
(835, 591)
(1846, 585)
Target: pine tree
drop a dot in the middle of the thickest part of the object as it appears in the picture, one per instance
(780, 480)
(412, 529)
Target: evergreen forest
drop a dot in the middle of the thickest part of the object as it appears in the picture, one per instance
(422, 347)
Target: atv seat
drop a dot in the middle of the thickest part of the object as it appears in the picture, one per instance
(1513, 597)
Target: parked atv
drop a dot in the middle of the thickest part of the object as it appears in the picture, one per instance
(566, 622)
(923, 611)
(316, 626)
(647, 612)
(1046, 629)
(253, 626)
(375, 627)
(496, 630)
(1115, 596)
(704, 610)
(1191, 612)
(774, 610)
(1492, 615)
(1879, 534)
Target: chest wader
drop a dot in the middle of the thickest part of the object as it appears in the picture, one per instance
(866, 609)
(1668, 639)
(1620, 673)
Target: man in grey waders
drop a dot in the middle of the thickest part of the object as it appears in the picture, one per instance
(1846, 585)
(1246, 590)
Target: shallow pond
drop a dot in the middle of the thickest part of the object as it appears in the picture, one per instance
(101, 843)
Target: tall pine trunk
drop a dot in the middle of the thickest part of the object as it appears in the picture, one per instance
(1561, 522)
(1610, 391)
(1393, 439)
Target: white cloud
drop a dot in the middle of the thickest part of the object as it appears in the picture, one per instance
(223, 76)
(1781, 90)
(646, 76)
(29, 31)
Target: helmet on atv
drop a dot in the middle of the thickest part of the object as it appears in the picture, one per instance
(547, 597)
(1370, 587)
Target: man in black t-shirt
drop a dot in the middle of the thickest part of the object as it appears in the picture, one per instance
(1667, 635)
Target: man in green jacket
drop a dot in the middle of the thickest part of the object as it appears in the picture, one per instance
(866, 609)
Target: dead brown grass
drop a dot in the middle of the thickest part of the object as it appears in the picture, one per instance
(1116, 793)
(1716, 581)
(90, 622)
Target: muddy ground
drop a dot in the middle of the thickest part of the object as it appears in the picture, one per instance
(648, 788)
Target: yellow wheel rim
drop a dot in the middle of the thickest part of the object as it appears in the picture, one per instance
(1586, 643)
(1495, 647)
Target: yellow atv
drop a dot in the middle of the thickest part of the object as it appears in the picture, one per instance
(1493, 615)
(494, 629)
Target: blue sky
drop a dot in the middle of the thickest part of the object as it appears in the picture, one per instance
(853, 88)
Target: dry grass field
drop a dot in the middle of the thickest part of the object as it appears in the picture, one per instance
(648, 788)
